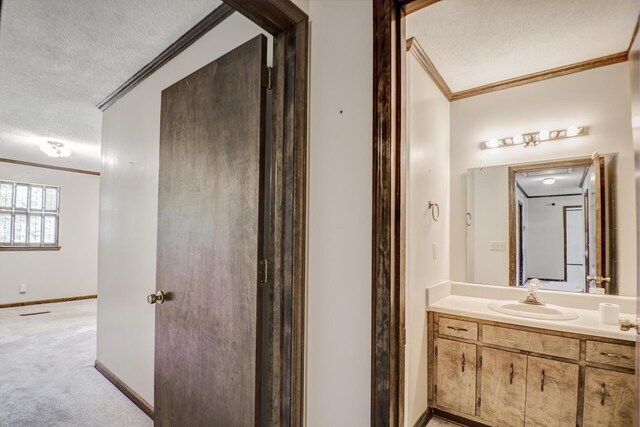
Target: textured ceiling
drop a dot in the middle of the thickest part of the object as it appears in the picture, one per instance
(476, 42)
(567, 181)
(59, 58)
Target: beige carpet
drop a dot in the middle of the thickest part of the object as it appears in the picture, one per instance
(47, 376)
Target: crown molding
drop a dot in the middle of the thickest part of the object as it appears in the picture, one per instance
(542, 75)
(634, 35)
(210, 21)
(414, 47)
(410, 6)
(42, 165)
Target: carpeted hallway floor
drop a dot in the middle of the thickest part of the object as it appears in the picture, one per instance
(47, 376)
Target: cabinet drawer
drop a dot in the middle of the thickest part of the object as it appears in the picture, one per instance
(458, 328)
(568, 348)
(611, 354)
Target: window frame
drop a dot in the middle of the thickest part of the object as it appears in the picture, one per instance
(29, 212)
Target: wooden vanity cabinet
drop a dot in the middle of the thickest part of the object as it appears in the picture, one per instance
(456, 376)
(610, 398)
(506, 375)
(503, 387)
(552, 393)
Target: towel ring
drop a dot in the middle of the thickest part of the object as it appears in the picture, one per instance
(434, 208)
(468, 219)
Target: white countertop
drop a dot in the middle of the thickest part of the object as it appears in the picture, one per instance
(588, 321)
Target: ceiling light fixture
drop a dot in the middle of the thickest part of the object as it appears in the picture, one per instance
(549, 181)
(493, 143)
(55, 149)
(532, 139)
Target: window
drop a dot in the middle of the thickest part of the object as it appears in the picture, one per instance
(29, 215)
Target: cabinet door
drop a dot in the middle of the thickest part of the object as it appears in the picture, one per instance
(456, 376)
(552, 393)
(504, 386)
(610, 399)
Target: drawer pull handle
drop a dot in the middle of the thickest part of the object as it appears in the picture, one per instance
(462, 362)
(511, 374)
(616, 356)
(602, 394)
(457, 329)
(542, 381)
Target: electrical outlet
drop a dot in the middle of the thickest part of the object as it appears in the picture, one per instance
(23, 288)
(497, 246)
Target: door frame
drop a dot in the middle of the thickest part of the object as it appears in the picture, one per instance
(287, 265)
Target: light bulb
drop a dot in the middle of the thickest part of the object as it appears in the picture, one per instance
(573, 131)
(492, 143)
(518, 139)
(543, 135)
(549, 181)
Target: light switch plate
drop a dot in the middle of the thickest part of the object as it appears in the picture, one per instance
(497, 246)
(23, 288)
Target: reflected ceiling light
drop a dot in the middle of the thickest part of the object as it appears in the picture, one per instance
(532, 139)
(55, 149)
(549, 181)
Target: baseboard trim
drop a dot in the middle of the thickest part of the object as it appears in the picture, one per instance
(424, 418)
(124, 389)
(47, 301)
(456, 419)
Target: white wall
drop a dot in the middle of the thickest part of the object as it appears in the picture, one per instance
(129, 209)
(489, 208)
(428, 240)
(340, 173)
(598, 98)
(72, 271)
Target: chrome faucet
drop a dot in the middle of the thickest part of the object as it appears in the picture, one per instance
(532, 298)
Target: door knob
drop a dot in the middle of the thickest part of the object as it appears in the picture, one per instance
(158, 297)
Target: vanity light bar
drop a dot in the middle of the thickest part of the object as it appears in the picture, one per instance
(532, 139)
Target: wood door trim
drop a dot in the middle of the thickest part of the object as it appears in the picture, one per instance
(287, 282)
(210, 21)
(124, 389)
(564, 233)
(42, 165)
(387, 240)
(47, 301)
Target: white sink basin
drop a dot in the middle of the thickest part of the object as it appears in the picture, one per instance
(545, 312)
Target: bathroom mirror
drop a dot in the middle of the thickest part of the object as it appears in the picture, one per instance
(555, 221)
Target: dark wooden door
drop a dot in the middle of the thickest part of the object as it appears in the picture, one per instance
(210, 227)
